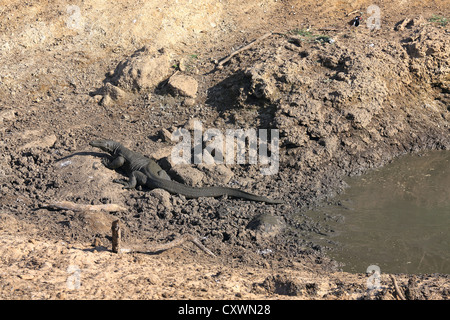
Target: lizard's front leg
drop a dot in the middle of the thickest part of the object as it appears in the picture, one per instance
(114, 163)
(136, 178)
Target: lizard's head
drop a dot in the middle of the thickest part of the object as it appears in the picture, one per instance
(106, 145)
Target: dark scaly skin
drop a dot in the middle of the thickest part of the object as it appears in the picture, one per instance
(146, 172)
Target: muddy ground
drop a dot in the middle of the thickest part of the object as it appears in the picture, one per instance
(345, 99)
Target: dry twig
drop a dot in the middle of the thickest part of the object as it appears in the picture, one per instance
(353, 12)
(67, 205)
(116, 236)
(177, 242)
(225, 60)
(397, 289)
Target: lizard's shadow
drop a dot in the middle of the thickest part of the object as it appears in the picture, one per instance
(124, 170)
(83, 153)
(94, 154)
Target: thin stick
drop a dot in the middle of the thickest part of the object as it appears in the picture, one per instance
(225, 60)
(67, 205)
(174, 243)
(397, 289)
(353, 12)
(116, 236)
(325, 29)
(177, 242)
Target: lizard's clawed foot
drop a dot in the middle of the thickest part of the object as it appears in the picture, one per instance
(105, 162)
(121, 181)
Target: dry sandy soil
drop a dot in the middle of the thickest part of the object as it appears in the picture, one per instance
(345, 99)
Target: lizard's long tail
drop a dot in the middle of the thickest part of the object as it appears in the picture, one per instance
(191, 192)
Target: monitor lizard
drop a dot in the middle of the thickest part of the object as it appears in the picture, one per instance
(146, 172)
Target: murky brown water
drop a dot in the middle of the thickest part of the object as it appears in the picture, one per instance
(396, 217)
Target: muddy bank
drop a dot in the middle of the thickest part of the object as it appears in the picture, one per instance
(341, 108)
(344, 101)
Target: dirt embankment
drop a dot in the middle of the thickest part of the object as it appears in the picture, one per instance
(344, 99)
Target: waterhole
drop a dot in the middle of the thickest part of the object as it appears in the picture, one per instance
(396, 217)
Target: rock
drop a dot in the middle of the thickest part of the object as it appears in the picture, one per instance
(182, 65)
(97, 98)
(153, 279)
(188, 175)
(145, 69)
(7, 115)
(330, 144)
(107, 101)
(46, 266)
(45, 142)
(163, 196)
(341, 76)
(266, 224)
(220, 173)
(223, 174)
(160, 153)
(189, 102)
(190, 124)
(114, 92)
(165, 135)
(183, 85)
(97, 242)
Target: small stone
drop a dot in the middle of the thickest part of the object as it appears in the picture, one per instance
(46, 266)
(266, 224)
(97, 98)
(114, 92)
(165, 135)
(45, 142)
(7, 115)
(162, 152)
(183, 85)
(143, 70)
(97, 242)
(190, 124)
(188, 175)
(217, 173)
(163, 196)
(189, 102)
(182, 65)
(106, 101)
